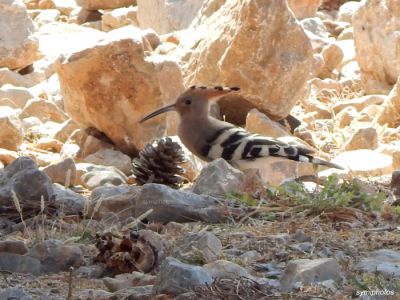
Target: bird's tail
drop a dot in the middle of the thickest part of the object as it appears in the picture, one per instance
(318, 161)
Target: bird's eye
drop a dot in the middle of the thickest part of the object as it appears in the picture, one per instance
(188, 101)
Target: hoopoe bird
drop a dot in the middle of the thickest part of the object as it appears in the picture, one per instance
(210, 138)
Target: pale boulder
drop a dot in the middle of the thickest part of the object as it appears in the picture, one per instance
(62, 172)
(257, 122)
(18, 95)
(365, 162)
(11, 133)
(304, 8)
(104, 4)
(13, 78)
(346, 116)
(118, 18)
(274, 171)
(47, 16)
(18, 44)
(359, 103)
(251, 42)
(65, 130)
(81, 15)
(377, 38)
(130, 83)
(167, 15)
(390, 110)
(346, 34)
(333, 56)
(87, 142)
(48, 144)
(69, 38)
(44, 110)
(363, 138)
(7, 156)
(347, 11)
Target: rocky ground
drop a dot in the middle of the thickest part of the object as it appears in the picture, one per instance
(88, 211)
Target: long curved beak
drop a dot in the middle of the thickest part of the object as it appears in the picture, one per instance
(157, 112)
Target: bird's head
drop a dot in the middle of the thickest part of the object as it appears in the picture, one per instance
(194, 101)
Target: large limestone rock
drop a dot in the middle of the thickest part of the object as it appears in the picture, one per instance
(114, 84)
(304, 8)
(254, 44)
(167, 15)
(376, 34)
(18, 46)
(104, 4)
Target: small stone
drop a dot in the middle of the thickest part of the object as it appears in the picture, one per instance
(28, 183)
(306, 247)
(383, 261)
(307, 271)
(223, 269)
(179, 206)
(97, 294)
(16, 247)
(115, 201)
(67, 201)
(123, 281)
(91, 272)
(14, 293)
(251, 256)
(62, 172)
(363, 138)
(176, 277)
(17, 263)
(145, 292)
(103, 176)
(300, 236)
(109, 157)
(219, 178)
(55, 256)
(395, 182)
(198, 247)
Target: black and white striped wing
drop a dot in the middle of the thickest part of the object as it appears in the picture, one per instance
(233, 143)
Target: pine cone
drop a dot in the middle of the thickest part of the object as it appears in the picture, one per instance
(160, 163)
